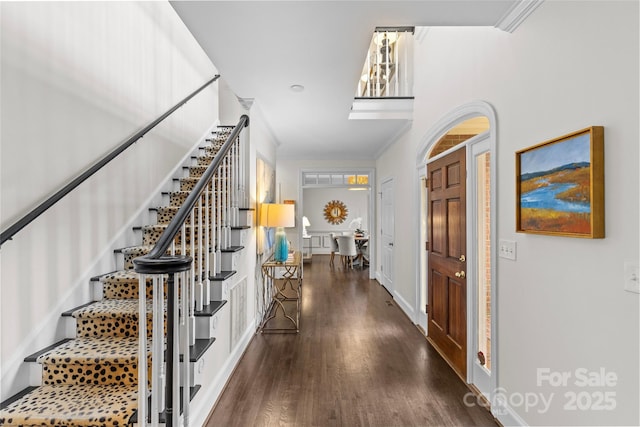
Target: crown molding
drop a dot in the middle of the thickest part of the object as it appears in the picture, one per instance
(517, 14)
(421, 33)
(246, 103)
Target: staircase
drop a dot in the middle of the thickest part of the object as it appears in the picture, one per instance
(93, 378)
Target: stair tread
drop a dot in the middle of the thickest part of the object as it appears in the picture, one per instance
(132, 249)
(144, 249)
(222, 276)
(96, 403)
(161, 226)
(33, 357)
(209, 310)
(173, 208)
(119, 276)
(71, 405)
(114, 308)
(92, 351)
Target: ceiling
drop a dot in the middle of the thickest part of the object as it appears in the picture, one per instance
(262, 48)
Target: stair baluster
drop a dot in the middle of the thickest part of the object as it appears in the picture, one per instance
(184, 345)
(199, 295)
(194, 281)
(157, 366)
(179, 262)
(207, 245)
(185, 283)
(218, 197)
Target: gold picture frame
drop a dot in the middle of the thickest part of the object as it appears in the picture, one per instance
(335, 212)
(560, 186)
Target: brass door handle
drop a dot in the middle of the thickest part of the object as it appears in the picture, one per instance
(461, 274)
(462, 258)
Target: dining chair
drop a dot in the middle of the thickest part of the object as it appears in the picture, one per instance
(334, 246)
(347, 250)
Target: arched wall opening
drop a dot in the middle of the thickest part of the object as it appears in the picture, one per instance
(472, 125)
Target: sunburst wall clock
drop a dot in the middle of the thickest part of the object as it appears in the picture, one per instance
(335, 212)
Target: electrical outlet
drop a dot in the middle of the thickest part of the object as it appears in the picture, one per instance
(631, 277)
(507, 249)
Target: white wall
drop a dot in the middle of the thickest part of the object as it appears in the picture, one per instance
(314, 201)
(288, 181)
(263, 146)
(78, 78)
(561, 304)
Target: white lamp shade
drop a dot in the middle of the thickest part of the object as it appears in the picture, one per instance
(305, 222)
(277, 215)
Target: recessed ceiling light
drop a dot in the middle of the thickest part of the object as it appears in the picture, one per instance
(297, 88)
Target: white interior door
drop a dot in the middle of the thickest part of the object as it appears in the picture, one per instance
(387, 235)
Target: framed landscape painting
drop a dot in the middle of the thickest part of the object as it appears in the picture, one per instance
(560, 186)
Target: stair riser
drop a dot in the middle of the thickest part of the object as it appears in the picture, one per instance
(105, 349)
(127, 290)
(197, 171)
(177, 198)
(204, 160)
(166, 214)
(151, 235)
(187, 184)
(74, 407)
(239, 237)
(206, 327)
(213, 149)
(98, 374)
(101, 327)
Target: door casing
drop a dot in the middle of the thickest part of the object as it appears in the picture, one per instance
(387, 233)
(450, 120)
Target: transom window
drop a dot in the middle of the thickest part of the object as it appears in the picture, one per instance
(342, 179)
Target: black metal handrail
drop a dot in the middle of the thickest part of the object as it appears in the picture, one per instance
(35, 213)
(157, 262)
(166, 238)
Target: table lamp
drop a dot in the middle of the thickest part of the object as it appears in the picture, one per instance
(279, 216)
(305, 224)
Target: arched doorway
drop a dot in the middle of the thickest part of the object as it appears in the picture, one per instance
(471, 127)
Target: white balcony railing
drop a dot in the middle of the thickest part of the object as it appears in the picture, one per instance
(388, 67)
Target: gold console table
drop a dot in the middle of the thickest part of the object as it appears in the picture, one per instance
(285, 281)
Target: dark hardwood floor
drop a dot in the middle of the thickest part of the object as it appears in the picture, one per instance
(357, 361)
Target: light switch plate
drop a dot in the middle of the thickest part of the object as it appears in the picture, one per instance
(507, 249)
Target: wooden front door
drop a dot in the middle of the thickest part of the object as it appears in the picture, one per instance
(447, 316)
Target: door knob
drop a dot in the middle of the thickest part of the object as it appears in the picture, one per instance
(461, 274)
(462, 258)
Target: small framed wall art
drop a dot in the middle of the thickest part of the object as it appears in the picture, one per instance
(560, 186)
(335, 212)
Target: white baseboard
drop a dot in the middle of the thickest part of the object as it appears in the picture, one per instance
(506, 415)
(404, 306)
